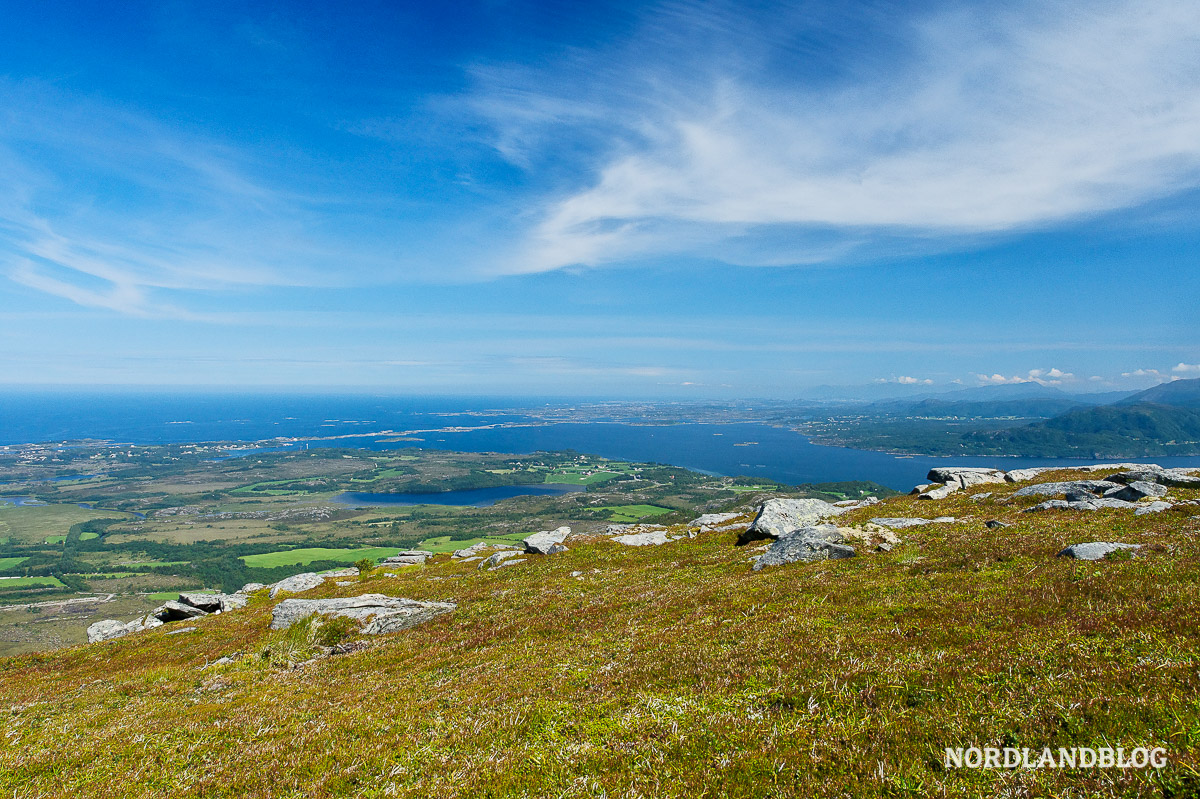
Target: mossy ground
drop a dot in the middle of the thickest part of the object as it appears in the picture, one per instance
(666, 671)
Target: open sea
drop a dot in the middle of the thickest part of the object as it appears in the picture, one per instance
(469, 424)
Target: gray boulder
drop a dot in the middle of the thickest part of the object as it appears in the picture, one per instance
(778, 518)
(377, 613)
(818, 542)
(1151, 507)
(1138, 489)
(106, 630)
(1094, 550)
(250, 588)
(296, 584)
(1093, 487)
(902, 522)
(713, 521)
(547, 542)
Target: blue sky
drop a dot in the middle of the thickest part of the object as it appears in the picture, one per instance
(659, 199)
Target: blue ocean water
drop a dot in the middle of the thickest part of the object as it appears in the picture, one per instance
(478, 498)
(465, 424)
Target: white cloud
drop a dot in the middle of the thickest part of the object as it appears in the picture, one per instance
(1186, 368)
(1154, 375)
(987, 123)
(1045, 377)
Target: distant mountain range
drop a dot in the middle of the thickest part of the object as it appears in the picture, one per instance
(1163, 420)
(904, 393)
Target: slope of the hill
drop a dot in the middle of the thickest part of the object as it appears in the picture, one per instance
(672, 670)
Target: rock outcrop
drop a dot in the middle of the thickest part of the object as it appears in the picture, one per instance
(411, 557)
(902, 522)
(376, 613)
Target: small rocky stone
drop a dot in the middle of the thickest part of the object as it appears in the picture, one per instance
(179, 630)
(995, 524)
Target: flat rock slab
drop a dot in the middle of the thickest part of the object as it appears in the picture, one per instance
(377, 613)
(1094, 550)
(938, 491)
(296, 584)
(547, 542)
(1152, 507)
(496, 560)
(651, 539)
(809, 544)
(1138, 489)
(901, 522)
(205, 602)
(1175, 478)
(1021, 475)
(1080, 504)
(710, 520)
(1096, 487)
(778, 518)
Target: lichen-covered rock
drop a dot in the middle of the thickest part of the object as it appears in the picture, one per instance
(1021, 475)
(1152, 507)
(206, 602)
(106, 630)
(233, 602)
(813, 543)
(296, 584)
(902, 522)
(1094, 550)
(964, 476)
(495, 560)
(377, 613)
(250, 588)
(1094, 487)
(1175, 478)
(778, 518)
(649, 539)
(547, 542)
(1138, 489)
(1095, 503)
(938, 491)
(178, 611)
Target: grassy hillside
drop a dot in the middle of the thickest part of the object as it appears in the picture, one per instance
(665, 671)
(1107, 431)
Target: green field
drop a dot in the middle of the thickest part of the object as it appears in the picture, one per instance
(631, 513)
(88, 536)
(30, 582)
(302, 557)
(34, 524)
(56, 539)
(443, 543)
(11, 563)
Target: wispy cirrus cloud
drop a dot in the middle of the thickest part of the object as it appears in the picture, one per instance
(723, 137)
